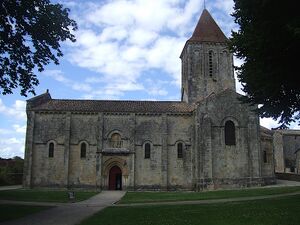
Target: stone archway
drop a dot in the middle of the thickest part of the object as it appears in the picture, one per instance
(115, 178)
(115, 169)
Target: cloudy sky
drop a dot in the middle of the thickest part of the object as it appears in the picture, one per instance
(125, 49)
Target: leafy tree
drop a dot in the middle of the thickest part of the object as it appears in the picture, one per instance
(30, 36)
(268, 41)
(11, 171)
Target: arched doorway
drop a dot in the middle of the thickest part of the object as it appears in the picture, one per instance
(115, 178)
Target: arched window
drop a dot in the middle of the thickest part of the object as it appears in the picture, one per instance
(51, 150)
(229, 133)
(210, 63)
(265, 156)
(179, 150)
(83, 150)
(147, 150)
(116, 141)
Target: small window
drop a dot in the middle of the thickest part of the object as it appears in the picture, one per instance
(265, 157)
(147, 150)
(83, 150)
(51, 150)
(229, 133)
(210, 63)
(179, 150)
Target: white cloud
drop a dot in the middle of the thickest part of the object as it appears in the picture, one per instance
(114, 33)
(295, 126)
(238, 85)
(181, 22)
(156, 87)
(113, 90)
(153, 15)
(121, 40)
(59, 76)
(224, 5)
(142, 37)
(12, 136)
(19, 128)
(4, 131)
(268, 123)
(11, 147)
(165, 55)
(16, 111)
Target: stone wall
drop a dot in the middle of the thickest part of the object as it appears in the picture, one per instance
(231, 165)
(291, 143)
(67, 169)
(267, 149)
(49, 128)
(286, 147)
(197, 82)
(278, 152)
(180, 130)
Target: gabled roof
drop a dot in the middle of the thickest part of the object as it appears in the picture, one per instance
(207, 30)
(115, 106)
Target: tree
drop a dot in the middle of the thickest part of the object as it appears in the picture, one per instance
(30, 36)
(268, 41)
(11, 171)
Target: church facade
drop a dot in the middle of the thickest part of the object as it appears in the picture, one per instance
(208, 140)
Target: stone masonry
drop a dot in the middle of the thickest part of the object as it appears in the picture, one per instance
(208, 140)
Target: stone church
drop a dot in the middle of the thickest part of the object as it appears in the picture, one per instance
(208, 140)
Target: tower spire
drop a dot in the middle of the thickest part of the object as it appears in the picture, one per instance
(206, 61)
(207, 30)
(204, 5)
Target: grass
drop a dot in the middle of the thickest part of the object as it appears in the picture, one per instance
(9, 212)
(139, 197)
(277, 211)
(44, 195)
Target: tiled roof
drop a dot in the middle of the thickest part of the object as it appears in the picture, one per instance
(207, 30)
(115, 106)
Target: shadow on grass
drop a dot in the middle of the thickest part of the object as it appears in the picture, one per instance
(143, 197)
(279, 211)
(44, 195)
(10, 212)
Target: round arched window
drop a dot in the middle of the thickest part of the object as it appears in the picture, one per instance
(229, 133)
(83, 150)
(147, 150)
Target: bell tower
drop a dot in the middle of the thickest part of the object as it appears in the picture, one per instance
(207, 64)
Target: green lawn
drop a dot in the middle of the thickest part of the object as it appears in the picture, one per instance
(138, 197)
(44, 195)
(277, 211)
(9, 212)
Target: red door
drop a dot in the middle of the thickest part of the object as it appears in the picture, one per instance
(115, 178)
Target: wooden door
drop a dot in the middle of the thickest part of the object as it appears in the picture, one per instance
(115, 178)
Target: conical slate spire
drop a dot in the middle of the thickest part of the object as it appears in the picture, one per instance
(207, 30)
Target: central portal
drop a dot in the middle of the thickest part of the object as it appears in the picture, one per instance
(115, 178)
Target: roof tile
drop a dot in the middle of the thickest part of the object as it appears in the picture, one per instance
(115, 106)
(207, 30)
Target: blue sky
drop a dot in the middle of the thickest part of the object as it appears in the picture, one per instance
(126, 49)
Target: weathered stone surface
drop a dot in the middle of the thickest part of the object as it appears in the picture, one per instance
(286, 151)
(157, 145)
